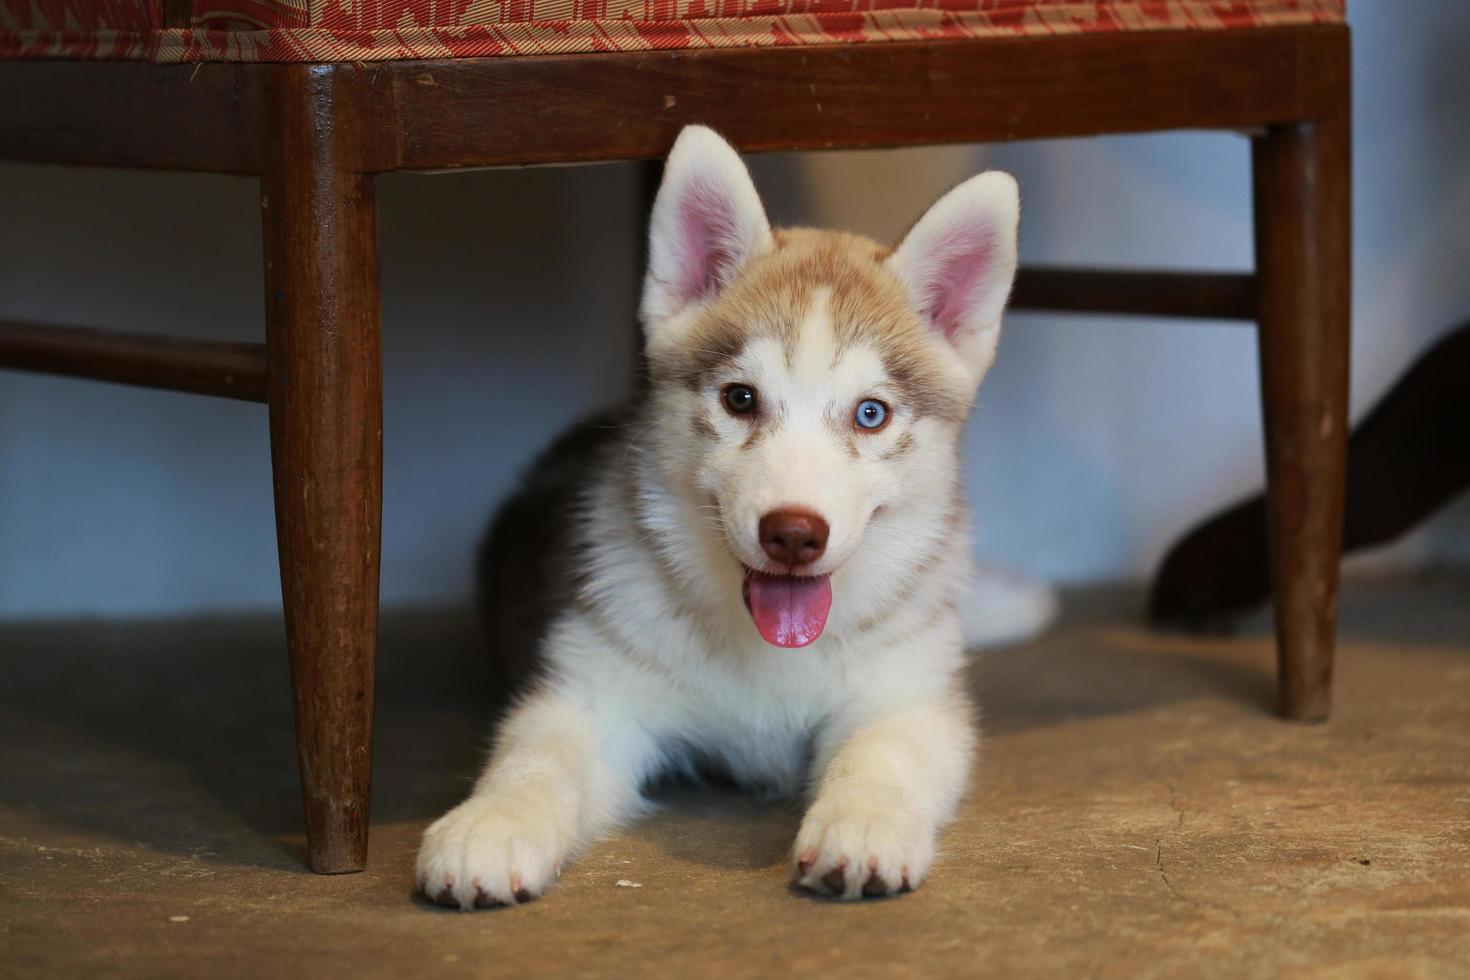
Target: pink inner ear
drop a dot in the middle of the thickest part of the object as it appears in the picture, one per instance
(707, 240)
(962, 259)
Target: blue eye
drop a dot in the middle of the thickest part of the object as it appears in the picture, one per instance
(871, 414)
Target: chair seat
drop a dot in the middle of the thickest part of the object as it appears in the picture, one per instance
(381, 30)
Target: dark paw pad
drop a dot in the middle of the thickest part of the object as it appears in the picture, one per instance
(836, 880)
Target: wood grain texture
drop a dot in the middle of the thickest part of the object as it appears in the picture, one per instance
(1197, 295)
(132, 114)
(1302, 195)
(325, 395)
(629, 105)
(228, 370)
(497, 111)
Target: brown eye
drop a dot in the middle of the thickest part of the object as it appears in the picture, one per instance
(870, 415)
(739, 399)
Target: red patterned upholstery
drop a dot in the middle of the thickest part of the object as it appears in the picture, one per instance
(377, 30)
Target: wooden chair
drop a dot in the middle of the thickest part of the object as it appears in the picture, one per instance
(322, 99)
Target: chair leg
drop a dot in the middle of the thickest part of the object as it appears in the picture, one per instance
(1303, 255)
(325, 395)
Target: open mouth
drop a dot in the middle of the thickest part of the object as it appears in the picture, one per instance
(789, 610)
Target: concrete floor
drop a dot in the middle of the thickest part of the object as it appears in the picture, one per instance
(1138, 812)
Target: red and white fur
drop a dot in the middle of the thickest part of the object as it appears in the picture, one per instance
(658, 661)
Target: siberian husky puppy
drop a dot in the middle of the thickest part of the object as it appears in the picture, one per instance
(758, 571)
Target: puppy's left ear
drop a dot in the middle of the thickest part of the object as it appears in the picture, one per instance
(958, 263)
(707, 223)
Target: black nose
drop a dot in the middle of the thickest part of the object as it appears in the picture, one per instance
(793, 537)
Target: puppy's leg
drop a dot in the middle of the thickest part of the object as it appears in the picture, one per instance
(888, 783)
(561, 773)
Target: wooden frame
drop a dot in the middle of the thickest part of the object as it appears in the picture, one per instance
(316, 135)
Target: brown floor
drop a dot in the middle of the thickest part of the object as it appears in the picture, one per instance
(1138, 812)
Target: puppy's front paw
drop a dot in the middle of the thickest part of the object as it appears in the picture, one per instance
(852, 847)
(484, 853)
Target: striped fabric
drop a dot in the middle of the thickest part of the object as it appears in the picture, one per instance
(380, 30)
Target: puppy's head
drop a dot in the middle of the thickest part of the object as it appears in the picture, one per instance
(811, 385)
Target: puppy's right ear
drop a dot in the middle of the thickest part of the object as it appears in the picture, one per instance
(707, 223)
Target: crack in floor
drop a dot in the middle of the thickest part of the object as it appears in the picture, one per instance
(1159, 846)
(1159, 863)
(1200, 904)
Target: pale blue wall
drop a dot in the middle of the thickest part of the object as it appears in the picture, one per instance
(507, 304)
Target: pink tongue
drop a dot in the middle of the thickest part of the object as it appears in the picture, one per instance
(789, 610)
